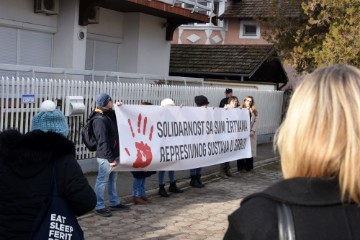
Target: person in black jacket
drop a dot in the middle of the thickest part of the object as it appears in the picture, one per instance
(224, 101)
(107, 154)
(195, 173)
(319, 147)
(26, 167)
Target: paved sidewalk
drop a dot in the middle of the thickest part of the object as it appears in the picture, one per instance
(194, 214)
(125, 180)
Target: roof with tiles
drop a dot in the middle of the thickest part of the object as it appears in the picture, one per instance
(236, 59)
(256, 63)
(260, 9)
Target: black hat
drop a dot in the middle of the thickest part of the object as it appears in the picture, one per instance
(201, 100)
(228, 90)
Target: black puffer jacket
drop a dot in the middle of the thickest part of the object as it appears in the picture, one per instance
(25, 179)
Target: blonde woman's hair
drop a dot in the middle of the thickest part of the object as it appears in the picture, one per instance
(252, 105)
(320, 136)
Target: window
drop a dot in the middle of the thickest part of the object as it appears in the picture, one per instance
(101, 56)
(249, 29)
(23, 47)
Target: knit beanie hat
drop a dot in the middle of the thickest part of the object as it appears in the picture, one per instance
(102, 100)
(49, 119)
(201, 100)
(167, 102)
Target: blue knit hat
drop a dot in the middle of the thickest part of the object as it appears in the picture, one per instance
(102, 100)
(49, 119)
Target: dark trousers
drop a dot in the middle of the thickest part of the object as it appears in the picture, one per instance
(225, 165)
(245, 164)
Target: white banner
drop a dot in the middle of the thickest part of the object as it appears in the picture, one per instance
(156, 138)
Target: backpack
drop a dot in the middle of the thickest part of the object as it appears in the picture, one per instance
(56, 220)
(87, 134)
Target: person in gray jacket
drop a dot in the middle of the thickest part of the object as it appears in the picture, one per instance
(319, 148)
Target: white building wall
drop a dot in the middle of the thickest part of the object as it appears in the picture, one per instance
(154, 50)
(110, 25)
(69, 49)
(144, 48)
(140, 39)
(21, 13)
(129, 49)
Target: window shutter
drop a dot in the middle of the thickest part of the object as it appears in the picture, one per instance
(35, 50)
(106, 56)
(7, 49)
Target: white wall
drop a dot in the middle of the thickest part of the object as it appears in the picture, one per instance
(111, 24)
(129, 47)
(144, 48)
(21, 12)
(69, 50)
(154, 50)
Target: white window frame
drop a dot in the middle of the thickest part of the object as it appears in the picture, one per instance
(242, 29)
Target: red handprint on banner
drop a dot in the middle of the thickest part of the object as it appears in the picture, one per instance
(144, 154)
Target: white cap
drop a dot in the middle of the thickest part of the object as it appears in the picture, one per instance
(167, 102)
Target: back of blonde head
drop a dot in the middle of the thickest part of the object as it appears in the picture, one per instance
(320, 136)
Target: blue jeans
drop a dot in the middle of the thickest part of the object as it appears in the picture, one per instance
(161, 175)
(195, 171)
(105, 178)
(139, 187)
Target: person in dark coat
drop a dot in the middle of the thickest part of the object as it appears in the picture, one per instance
(107, 155)
(224, 101)
(225, 169)
(195, 173)
(26, 167)
(319, 146)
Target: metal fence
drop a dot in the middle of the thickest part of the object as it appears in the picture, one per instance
(17, 114)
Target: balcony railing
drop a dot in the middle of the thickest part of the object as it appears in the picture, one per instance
(200, 6)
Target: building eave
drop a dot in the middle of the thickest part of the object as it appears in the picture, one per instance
(174, 15)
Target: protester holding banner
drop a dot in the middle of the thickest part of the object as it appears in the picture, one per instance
(107, 153)
(233, 102)
(247, 164)
(161, 174)
(195, 174)
(139, 190)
